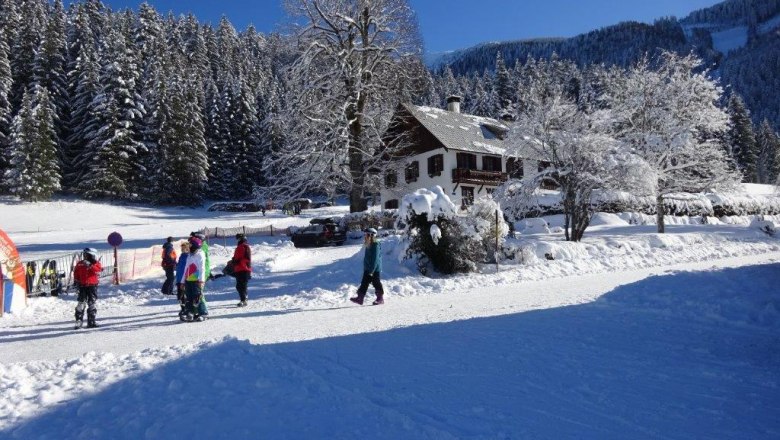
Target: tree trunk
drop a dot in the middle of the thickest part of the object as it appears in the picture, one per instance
(660, 211)
(357, 202)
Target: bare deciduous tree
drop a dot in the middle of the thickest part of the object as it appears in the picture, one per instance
(669, 116)
(354, 64)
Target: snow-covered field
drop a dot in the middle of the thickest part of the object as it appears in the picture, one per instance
(630, 334)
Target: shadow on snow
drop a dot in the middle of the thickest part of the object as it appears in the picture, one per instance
(684, 355)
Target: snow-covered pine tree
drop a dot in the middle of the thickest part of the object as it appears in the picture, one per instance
(9, 21)
(221, 141)
(244, 128)
(50, 59)
(448, 86)
(34, 174)
(504, 92)
(112, 150)
(195, 48)
(5, 109)
(669, 116)
(182, 148)
(768, 143)
(154, 63)
(432, 97)
(254, 66)
(81, 125)
(742, 139)
(271, 132)
(228, 59)
(481, 99)
(28, 38)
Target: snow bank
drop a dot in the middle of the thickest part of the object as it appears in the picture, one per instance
(534, 226)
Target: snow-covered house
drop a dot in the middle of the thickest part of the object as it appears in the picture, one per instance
(464, 154)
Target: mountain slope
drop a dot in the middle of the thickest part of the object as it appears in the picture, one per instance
(739, 39)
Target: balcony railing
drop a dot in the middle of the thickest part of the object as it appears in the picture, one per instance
(477, 177)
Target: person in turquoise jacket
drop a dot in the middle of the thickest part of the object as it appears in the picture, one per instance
(372, 268)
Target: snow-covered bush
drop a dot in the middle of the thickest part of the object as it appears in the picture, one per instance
(764, 226)
(437, 237)
(520, 204)
(534, 226)
(491, 227)
(519, 201)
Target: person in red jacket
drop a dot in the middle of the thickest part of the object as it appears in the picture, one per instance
(85, 275)
(242, 267)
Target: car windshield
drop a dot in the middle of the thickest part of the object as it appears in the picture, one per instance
(313, 229)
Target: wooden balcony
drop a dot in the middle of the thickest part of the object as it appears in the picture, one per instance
(477, 177)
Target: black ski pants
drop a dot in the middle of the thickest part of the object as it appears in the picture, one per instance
(374, 280)
(87, 298)
(242, 283)
(167, 287)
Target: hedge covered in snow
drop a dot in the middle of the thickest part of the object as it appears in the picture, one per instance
(543, 202)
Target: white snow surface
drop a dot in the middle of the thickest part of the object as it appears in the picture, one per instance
(629, 334)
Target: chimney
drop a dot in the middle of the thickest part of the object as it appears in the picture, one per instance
(453, 104)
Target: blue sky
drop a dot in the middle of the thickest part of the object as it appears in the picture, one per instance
(455, 24)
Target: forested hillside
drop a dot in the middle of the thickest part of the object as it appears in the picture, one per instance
(750, 27)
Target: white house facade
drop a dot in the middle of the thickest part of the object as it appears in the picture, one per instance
(464, 154)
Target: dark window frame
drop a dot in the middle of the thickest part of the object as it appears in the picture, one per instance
(492, 163)
(515, 168)
(466, 161)
(466, 196)
(435, 165)
(391, 179)
(412, 172)
(391, 204)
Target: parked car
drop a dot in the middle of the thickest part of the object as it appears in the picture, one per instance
(236, 207)
(320, 232)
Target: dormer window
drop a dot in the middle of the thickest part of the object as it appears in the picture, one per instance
(491, 132)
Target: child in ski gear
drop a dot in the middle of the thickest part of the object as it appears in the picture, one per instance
(180, 266)
(85, 275)
(205, 247)
(372, 267)
(242, 267)
(168, 264)
(194, 279)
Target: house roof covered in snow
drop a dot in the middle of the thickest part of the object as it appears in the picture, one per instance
(458, 131)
